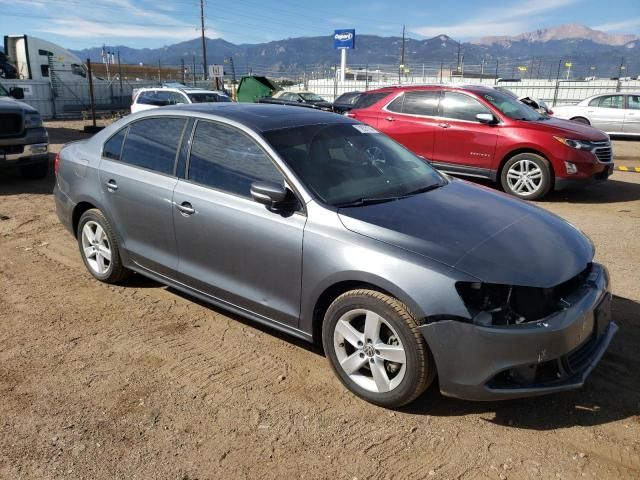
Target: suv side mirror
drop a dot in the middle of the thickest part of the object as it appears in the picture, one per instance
(487, 118)
(268, 193)
(17, 93)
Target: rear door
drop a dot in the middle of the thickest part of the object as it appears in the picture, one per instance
(411, 119)
(461, 140)
(231, 247)
(607, 112)
(366, 109)
(137, 178)
(632, 115)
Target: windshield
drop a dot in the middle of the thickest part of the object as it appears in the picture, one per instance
(208, 97)
(511, 107)
(349, 163)
(311, 97)
(3, 92)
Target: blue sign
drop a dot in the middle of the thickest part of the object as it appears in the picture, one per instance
(344, 39)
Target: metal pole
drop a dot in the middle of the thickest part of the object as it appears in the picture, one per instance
(182, 69)
(441, 65)
(343, 64)
(497, 63)
(619, 84)
(93, 100)
(366, 77)
(555, 93)
(204, 43)
(194, 70)
(120, 76)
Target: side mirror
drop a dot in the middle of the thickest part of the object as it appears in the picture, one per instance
(17, 93)
(268, 193)
(487, 118)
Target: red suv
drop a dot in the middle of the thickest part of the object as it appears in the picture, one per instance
(479, 131)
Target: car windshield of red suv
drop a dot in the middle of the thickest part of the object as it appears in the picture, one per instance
(511, 107)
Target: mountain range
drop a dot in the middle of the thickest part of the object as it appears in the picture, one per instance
(583, 46)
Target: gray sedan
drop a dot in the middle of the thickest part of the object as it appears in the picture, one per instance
(613, 113)
(323, 228)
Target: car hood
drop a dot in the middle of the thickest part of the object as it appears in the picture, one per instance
(570, 129)
(10, 103)
(495, 238)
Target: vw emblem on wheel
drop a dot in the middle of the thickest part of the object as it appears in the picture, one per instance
(368, 350)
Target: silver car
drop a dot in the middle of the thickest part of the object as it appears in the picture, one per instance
(326, 229)
(613, 113)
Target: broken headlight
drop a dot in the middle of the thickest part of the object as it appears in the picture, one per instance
(495, 305)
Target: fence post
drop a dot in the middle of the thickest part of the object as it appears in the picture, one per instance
(555, 93)
(441, 65)
(496, 77)
(366, 77)
(93, 100)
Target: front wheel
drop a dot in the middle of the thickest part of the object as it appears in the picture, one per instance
(527, 176)
(373, 345)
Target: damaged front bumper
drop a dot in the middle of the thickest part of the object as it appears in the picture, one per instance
(550, 355)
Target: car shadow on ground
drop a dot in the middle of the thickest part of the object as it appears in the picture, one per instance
(611, 393)
(12, 183)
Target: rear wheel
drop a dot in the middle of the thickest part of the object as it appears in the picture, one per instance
(99, 248)
(373, 345)
(527, 176)
(36, 171)
(582, 120)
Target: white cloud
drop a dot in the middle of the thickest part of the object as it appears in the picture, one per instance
(77, 28)
(506, 20)
(627, 25)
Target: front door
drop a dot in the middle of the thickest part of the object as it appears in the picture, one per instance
(461, 140)
(231, 247)
(411, 120)
(137, 178)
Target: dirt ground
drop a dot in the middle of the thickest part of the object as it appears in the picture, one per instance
(140, 382)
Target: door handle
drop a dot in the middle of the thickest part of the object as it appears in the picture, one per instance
(185, 208)
(444, 125)
(390, 119)
(111, 185)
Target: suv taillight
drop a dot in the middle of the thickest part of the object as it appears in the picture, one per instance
(56, 164)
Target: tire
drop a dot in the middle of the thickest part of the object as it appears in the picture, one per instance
(37, 171)
(348, 320)
(96, 239)
(581, 120)
(527, 176)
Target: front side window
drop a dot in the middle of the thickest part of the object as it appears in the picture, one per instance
(461, 107)
(153, 143)
(113, 147)
(608, 101)
(227, 159)
(170, 98)
(345, 164)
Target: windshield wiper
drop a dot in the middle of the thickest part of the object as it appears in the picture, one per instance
(360, 202)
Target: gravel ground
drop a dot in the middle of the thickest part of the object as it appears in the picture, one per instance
(138, 381)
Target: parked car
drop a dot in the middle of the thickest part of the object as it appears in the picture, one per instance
(481, 132)
(322, 227)
(345, 102)
(24, 142)
(146, 98)
(614, 113)
(306, 99)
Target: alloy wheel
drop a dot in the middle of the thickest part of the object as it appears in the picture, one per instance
(524, 177)
(369, 350)
(96, 248)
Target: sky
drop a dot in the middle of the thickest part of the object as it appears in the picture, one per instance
(78, 24)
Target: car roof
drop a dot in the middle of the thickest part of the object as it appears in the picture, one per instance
(262, 117)
(477, 88)
(181, 89)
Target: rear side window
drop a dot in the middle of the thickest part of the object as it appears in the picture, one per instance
(227, 159)
(461, 107)
(421, 103)
(608, 101)
(153, 143)
(634, 102)
(113, 148)
(366, 100)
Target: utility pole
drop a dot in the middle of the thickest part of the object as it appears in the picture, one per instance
(204, 43)
(401, 68)
(459, 53)
(182, 69)
(194, 70)
(120, 76)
